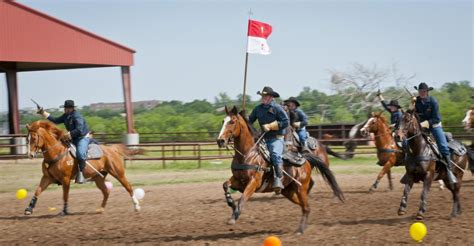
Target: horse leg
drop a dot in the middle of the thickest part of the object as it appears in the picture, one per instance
(100, 183)
(389, 177)
(248, 192)
(120, 176)
(230, 201)
(441, 184)
(456, 211)
(66, 185)
(44, 183)
(299, 195)
(403, 204)
(424, 196)
(385, 169)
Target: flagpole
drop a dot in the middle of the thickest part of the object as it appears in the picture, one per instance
(246, 62)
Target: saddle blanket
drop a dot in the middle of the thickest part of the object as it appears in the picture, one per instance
(94, 151)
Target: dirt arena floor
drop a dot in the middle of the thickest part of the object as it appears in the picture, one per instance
(196, 214)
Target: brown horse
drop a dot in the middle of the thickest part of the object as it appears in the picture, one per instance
(59, 166)
(250, 170)
(388, 152)
(421, 165)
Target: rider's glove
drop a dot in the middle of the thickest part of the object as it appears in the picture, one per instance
(66, 137)
(41, 111)
(296, 125)
(425, 124)
(271, 126)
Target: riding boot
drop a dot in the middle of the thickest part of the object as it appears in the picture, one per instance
(277, 184)
(80, 177)
(449, 170)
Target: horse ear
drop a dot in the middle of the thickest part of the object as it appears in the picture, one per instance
(373, 114)
(226, 110)
(234, 110)
(28, 127)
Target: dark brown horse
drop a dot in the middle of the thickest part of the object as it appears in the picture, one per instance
(59, 166)
(421, 165)
(250, 170)
(388, 152)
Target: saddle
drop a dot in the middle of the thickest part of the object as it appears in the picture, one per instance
(311, 142)
(94, 151)
(455, 147)
(290, 158)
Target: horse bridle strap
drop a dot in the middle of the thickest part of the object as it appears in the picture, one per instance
(59, 157)
(239, 166)
(389, 151)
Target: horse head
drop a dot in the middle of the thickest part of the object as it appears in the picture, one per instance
(373, 124)
(409, 126)
(37, 136)
(231, 127)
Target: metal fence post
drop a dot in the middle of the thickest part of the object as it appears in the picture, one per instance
(199, 155)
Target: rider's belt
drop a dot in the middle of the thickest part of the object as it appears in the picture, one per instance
(280, 136)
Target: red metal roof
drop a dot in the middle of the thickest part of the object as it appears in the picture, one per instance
(36, 41)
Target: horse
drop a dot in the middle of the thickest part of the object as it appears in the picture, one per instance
(320, 150)
(388, 152)
(251, 172)
(468, 120)
(422, 165)
(60, 167)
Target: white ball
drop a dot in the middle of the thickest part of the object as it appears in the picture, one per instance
(139, 193)
(109, 185)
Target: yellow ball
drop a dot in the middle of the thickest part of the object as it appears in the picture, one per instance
(417, 231)
(272, 241)
(21, 194)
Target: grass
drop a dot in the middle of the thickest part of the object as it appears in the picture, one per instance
(27, 173)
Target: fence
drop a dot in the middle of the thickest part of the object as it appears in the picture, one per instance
(189, 146)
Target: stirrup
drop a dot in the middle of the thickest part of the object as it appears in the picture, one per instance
(451, 178)
(80, 178)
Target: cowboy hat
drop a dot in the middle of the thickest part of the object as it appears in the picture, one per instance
(267, 90)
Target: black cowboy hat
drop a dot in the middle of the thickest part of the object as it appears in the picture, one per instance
(423, 86)
(394, 103)
(293, 100)
(267, 90)
(68, 104)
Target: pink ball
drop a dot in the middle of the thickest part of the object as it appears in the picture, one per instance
(109, 185)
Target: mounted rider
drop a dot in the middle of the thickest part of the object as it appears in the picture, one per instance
(393, 108)
(273, 121)
(428, 110)
(300, 122)
(78, 133)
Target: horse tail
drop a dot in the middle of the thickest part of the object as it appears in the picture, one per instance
(127, 152)
(328, 176)
(335, 154)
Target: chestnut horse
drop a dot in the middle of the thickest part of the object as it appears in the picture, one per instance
(388, 152)
(422, 166)
(250, 170)
(59, 166)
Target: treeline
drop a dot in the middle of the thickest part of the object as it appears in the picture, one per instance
(202, 115)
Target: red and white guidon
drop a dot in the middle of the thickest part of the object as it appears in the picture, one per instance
(258, 33)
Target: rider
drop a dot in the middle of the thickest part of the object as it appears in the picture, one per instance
(300, 122)
(77, 133)
(273, 120)
(393, 108)
(428, 110)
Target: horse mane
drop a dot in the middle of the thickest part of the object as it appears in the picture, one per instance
(252, 129)
(50, 127)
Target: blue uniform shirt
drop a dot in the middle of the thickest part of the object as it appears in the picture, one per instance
(74, 122)
(267, 113)
(394, 116)
(428, 109)
(301, 117)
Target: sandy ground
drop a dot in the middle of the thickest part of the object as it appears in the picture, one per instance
(196, 214)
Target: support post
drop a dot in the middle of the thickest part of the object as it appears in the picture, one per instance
(127, 94)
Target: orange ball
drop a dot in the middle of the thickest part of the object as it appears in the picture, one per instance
(272, 241)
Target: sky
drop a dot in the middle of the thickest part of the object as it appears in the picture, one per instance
(190, 50)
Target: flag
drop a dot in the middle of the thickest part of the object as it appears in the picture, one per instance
(258, 33)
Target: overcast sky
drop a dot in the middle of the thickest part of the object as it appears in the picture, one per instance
(195, 49)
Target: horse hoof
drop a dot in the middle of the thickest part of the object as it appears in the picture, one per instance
(63, 213)
(28, 212)
(137, 208)
(100, 210)
(231, 222)
(419, 217)
(298, 233)
(401, 212)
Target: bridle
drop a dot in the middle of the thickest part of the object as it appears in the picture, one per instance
(37, 148)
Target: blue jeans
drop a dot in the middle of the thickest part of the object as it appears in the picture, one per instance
(275, 146)
(82, 146)
(441, 141)
(303, 135)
